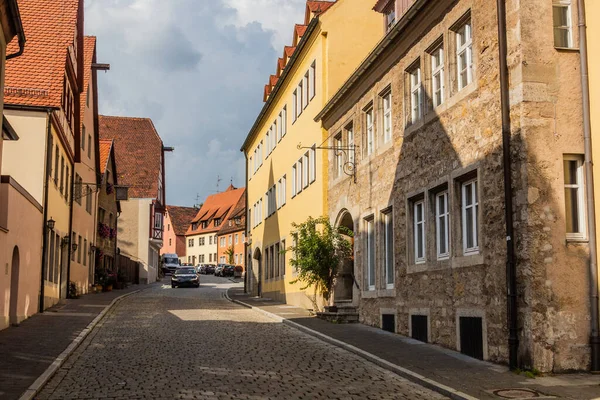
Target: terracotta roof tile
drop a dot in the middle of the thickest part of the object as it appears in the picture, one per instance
(300, 29)
(89, 53)
(105, 146)
(273, 80)
(319, 7)
(36, 77)
(239, 211)
(138, 152)
(219, 205)
(289, 50)
(181, 218)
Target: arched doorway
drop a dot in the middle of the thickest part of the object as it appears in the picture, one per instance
(258, 257)
(14, 288)
(343, 290)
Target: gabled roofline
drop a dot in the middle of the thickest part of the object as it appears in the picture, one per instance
(288, 67)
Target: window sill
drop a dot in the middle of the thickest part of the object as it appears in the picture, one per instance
(575, 240)
(567, 49)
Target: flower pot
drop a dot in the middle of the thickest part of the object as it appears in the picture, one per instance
(108, 288)
(98, 288)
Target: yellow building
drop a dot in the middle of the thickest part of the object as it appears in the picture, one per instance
(286, 170)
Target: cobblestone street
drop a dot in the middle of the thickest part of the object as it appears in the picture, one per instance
(194, 344)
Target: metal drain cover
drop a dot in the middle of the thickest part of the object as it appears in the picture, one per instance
(519, 394)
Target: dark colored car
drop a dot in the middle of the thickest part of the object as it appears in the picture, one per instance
(186, 276)
(228, 270)
(209, 269)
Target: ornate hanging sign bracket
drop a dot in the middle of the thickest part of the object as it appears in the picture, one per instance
(347, 152)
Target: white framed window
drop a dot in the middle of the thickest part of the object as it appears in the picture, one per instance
(284, 121)
(305, 170)
(350, 139)
(282, 192)
(278, 123)
(268, 140)
(339, 161)
(294, 174)
(464, 55)
(295, 106)
(419, 231)
(442, 218)
(191, 242)
(390, 18)
(386, 100)
(236, 239)
(574, 197)
(300, 99)
(416, 94)
(230, 239)
(312, 80)
(299, 175)
(370, 252)
(312, 162)
(437, 75)
(369, 126)
(305, 85)
(470, 217)
(561, 18)
(267, 200)
(388, 247)
(274, 135)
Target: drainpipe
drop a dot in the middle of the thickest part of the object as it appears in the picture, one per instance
(511, 264)
(18, 25)
(246, 252)
(45, 217)
(70, 249)
(589, 179)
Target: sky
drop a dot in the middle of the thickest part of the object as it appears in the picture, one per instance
(197, 68)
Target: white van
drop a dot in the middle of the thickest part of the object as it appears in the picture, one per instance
(170, 262)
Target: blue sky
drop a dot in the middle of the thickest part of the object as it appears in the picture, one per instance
(197, 68)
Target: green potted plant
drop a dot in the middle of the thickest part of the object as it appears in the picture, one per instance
(319, 249)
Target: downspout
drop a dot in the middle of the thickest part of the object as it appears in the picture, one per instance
(246, 229)
(70, 249)
(45, 217)
(16, 16)
(589, 179)
(511, 264)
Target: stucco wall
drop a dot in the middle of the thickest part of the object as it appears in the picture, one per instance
(208, 250)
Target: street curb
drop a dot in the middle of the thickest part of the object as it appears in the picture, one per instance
(405, 373)
(39, 383)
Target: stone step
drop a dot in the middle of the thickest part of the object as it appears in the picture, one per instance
(340, 318)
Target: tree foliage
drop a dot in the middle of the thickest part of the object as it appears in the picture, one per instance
(229, 253)
(318, 251)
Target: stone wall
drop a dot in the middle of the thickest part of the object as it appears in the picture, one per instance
(461, 140)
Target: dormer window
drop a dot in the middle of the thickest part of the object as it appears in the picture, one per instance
(217, 222)
(390, 17)
(238, 221)
(204, 224)
(194, 226)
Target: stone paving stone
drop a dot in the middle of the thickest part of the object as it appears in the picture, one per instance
(194, 344)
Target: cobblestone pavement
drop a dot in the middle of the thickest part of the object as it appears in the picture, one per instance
(168, 343)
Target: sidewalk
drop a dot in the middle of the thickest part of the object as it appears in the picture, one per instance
(27, 350)
(428, 364)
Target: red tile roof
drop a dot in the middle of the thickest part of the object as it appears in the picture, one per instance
(319, 7)
(181, 218)
(138, 152)
(273, 80)
(219, 205)
(36, 77)
(105, 146)
(289, 50)
(239, 211)
(300, 29)
(89, 53)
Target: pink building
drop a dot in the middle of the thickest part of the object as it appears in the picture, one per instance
(177, 221)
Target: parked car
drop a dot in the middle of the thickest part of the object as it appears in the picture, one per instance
(170, 262)
(228, 270)
(201, 269)
(185, 277)
(219, 269)
(210, 269)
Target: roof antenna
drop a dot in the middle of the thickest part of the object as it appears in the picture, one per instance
(218, 181)
(197, 205)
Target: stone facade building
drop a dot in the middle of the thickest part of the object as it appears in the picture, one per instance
(418, 177)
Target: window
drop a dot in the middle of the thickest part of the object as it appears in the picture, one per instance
(89, 146)
(57, 154)
(85, 251)
(386, 100)
(88, 203)
(67, 178)
(62, 174)
(350, 138)
(201, 241)
(79, 248)
(282, 191)
(279, 119)
(294, 173)
(295, 105)
(305, 170)
(470, 223)
(209, 239)
(416, 94)
(312, 162)
(299, 175)
(73, 241)
(561, 17)
(217, 222)
(268, 144)
(419, 231)
(369, 126)
(339, 161)
(83, 137)
(300, 100)
(284, 121)
(170, 242)
(305, 91)
(222, 242)
(388, 247)
(236, 238)
(442, 216)
(312, 80)
(574, 197)
(370, 252)
(282, 258)
(210, 258)
(229, 240)
(464, 55)
(191, 242)
(437, 75)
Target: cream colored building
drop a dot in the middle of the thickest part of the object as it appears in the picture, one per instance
(286, 169)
